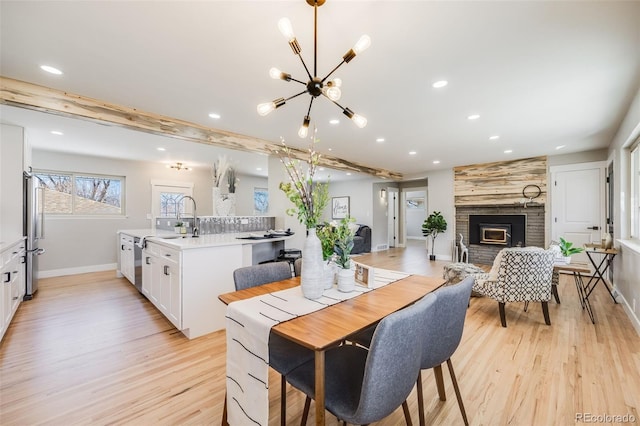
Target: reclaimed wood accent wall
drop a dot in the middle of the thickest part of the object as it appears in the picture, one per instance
(500, 182)
(31, 96)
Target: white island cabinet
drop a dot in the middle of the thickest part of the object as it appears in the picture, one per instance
(13, 281)
(183, 277)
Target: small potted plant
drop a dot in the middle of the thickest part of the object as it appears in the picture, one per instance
(567, 249)
(179, 227)
(327, 234)
(432, 226)
(343, 245)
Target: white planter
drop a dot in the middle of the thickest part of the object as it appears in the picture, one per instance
(566, 259)
(312, 274)
(329, 275)
(346, 280)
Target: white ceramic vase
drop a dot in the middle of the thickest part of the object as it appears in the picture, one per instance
(346, 280)
(312, 274)
(329, 274)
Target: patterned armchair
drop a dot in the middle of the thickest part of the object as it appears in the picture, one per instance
(519, 274)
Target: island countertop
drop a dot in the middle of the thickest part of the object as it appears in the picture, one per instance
(180, 242)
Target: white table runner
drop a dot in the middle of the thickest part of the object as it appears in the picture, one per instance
(249, 323)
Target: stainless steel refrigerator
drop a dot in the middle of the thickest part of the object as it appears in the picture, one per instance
(33, 229)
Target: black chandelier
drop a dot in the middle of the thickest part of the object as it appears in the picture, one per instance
(316, 86)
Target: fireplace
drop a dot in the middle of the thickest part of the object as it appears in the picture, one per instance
(498, 230)
(495, 233)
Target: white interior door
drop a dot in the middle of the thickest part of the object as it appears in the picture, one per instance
(578, 204)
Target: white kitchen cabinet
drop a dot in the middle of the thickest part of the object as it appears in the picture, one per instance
(13, 282)
(127, 258)
(162, 281)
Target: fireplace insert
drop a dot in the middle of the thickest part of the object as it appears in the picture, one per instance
(503, 230)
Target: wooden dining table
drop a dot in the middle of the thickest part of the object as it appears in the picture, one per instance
(329, 327)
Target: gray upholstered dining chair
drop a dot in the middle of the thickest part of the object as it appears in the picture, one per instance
(364, 386)
(251, 276)
(284, 355)
(442, 335)
(442, 332)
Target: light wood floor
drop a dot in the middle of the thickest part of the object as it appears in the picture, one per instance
(90, 350)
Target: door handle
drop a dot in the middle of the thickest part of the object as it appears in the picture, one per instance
(147, 261)
(8, 279)
(166, 269)
(122, 247)
(595, 228)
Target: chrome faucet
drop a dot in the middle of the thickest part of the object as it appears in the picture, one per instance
(196, 232)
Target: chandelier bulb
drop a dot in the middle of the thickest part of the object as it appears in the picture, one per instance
(337, 82)
(359, 120)
(362, 44)
(275, 73)
(285, 27)
(334, 93)
(267, 107)
(304, 129)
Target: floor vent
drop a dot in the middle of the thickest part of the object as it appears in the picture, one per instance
(382, 247)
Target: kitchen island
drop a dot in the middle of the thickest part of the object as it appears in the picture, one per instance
(183, 276)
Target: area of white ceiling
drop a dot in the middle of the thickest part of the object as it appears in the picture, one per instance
(539, 74)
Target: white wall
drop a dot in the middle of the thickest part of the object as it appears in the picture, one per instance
(626, 272)
(244, 193)
(441, 199)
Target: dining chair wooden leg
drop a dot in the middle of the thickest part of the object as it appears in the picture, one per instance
(283, 401)
(437, 372)
(526, 305)
(305, 412)
(407, 414)
(457, 390)
(503, 318)
(224, 421)
(420, 399)
(545, 312)
(554, 291)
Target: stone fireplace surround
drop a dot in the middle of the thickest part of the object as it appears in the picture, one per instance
(484, 254)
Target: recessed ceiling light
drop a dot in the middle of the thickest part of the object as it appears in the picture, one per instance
(321, 169)
(161, 148)
(439, 84)
(57, 132)
(380, 140)
(348, 173)
(330, 149)
(436, 161)
(560, 146)
(50, 69)
(214, 115)
(412, 152)
(259, 169)
(334, 121)
(473, 116)
(494, 137)
(508, 151)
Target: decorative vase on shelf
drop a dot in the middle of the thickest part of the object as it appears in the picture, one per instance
(346, 280)
(312, 274)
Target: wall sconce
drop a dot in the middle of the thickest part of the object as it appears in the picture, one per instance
(383, 193)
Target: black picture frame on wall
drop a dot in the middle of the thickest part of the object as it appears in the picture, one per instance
(339, 207)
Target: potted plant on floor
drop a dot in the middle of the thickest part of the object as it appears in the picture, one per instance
(344, 233)
(567, 249)
(432, 226)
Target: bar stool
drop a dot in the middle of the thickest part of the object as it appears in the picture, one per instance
(289, 255)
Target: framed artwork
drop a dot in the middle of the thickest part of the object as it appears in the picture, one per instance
(339, 207)
(260, 200)
(415, 203)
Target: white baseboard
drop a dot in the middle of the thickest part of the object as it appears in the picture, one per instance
(635, 321)
(75, 271)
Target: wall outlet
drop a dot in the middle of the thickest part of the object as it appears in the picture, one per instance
(168, 223)
(244, 221)
(149, 216)
(157, 223)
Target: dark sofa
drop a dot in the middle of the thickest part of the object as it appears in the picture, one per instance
(362, 240)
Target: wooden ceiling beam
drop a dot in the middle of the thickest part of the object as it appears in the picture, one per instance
(31, 96)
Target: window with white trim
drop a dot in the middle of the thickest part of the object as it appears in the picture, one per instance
(81, 194)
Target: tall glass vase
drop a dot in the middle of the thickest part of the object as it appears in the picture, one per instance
(312, 274)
